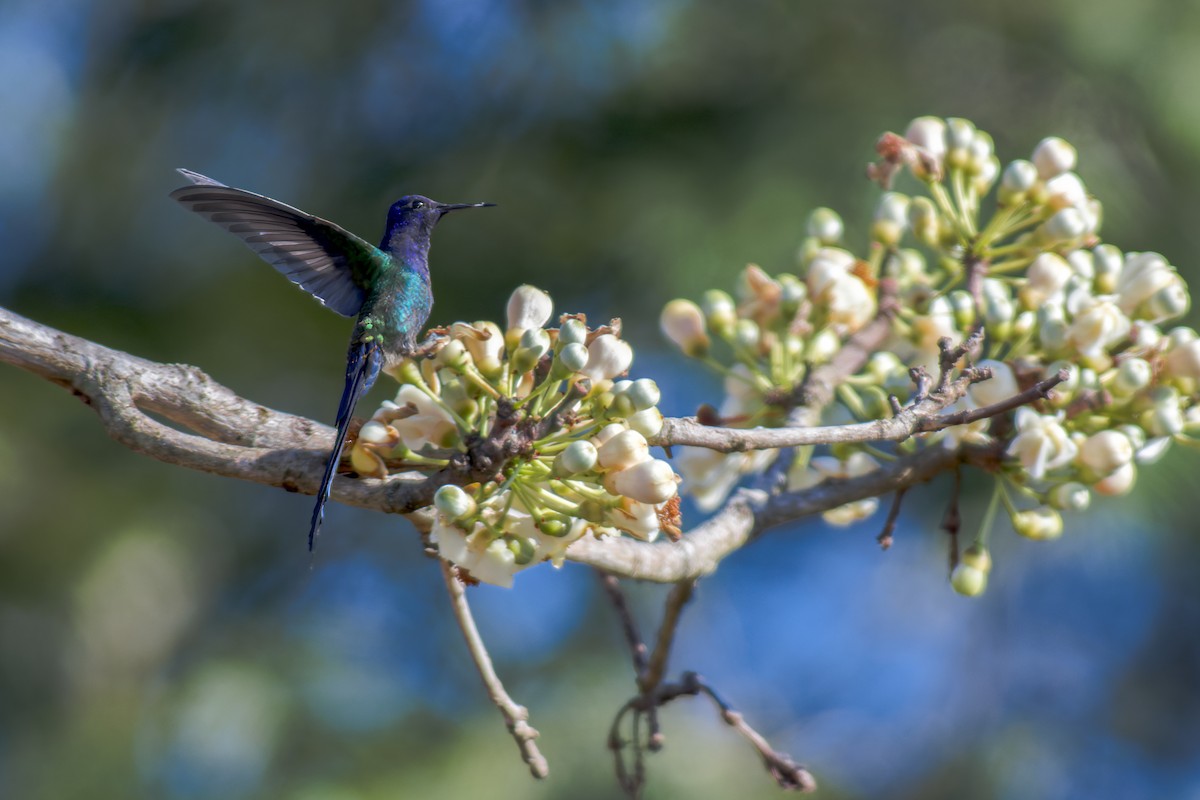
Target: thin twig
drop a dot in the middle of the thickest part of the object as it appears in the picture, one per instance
(677, 598)
(637, 648)
(516, 716)
(889, 525)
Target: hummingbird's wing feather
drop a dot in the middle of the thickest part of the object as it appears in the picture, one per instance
(363, 363)
(327, 261)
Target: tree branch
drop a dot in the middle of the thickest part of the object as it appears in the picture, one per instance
(516, 716)
(228, 435)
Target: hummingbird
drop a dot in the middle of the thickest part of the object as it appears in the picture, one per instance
(386, 287)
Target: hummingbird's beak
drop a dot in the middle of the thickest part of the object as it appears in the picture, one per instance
(448, 207)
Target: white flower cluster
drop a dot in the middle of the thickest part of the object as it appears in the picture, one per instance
(589, 470)
(1013, 249)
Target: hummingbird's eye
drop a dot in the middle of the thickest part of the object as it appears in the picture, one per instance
(417, 204)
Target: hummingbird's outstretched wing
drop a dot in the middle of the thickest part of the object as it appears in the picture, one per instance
(327, 261)
(363, 363)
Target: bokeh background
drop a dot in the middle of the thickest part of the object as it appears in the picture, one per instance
(162, 633)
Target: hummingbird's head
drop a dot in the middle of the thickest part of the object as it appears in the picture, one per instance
(417, 214)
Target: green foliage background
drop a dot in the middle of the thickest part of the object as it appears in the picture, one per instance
(161, 632)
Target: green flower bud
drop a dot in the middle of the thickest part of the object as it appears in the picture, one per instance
(523, 548)
(647, 422)
(747, 334)
(825, 225)
(579, 456)
(534, 344)
(977, 556)
(1040, 524)
(968, 581)
(572, 331)
(881, 366)
(720, 312)
(643, 393)
(964, 309)
(1133, 375)
(1070, 497)
(555, 525)
(573, 357)
(924, 221)
(824, 346)
(1108, 261)
(793, 292)
(1064, 392)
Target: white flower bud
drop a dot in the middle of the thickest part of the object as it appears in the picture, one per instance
(1039, 524)
(928, 133)
(967, 580)
(1070, 497)
(1169, 302)
(829, 265)
(1053, 156)
(1153, 451)
(1133, 375)
(998, 308)
(635, 518)
(1180, 336)
(1109, 262)
(1105, 452)
(375, 432)
(453, 502)
(1064, 392)
(573, 357)
(1044, 281)
(572, 331)
(608, 357)
(608, 432)
(1183, 360)
(485, 343)
(1164, 418)
(924, 221)
(792, 292)
(1146, 336)
(979, 154)
(528, 307)
(643, 393)
(647, 422)
(1066, 224)
(881, 366)
(849, 303)
(649, 481)
(959, 133)
(682, 322)
(1001, 386)
(824, 346)
(1118, 483)
(1098, 326)
(1067, 189)
(534, 344)
(623, 450)
(495, 565)
(1083, 264)
(578, 456)
(1142, 275)
(747, 334)
(1041, 444)
(1019, 176)
(825, 225)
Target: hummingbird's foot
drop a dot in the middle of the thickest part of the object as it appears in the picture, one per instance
(435, 339)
